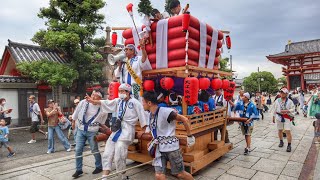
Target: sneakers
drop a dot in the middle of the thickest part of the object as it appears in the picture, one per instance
(97, 170)
(49, 152)
(77, 174)
(68, 150)
(32, 141)
(281, 144)
(246, 151)
(74, 144)
(46, 135)
(11, 154)
(289, 148)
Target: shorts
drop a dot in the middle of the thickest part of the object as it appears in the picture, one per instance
(284, 125)
(247, 130)
(34, 127)
(176, 162)
(4, 144)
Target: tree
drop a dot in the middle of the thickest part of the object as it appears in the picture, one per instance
(267, 82)
(145, 7)
(282, 80)
(71, 26)
(55, 74)
(224, 64)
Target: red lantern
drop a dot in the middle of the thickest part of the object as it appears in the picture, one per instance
(113, 90)
(114, 38)
(190, 90)
(148, 85)
(233, 85)
(216, 61)
(228, 42)
(185, 22)
(204, 83)
(167, 83)
(129, 9)
(216, 84)
(225, 84)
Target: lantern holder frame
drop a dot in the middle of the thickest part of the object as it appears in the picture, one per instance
(181, 72)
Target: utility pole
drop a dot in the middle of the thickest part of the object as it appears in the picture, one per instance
(259, 80)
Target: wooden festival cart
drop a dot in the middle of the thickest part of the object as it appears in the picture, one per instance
(206, 149)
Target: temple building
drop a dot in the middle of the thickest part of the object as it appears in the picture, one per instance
(301, 64)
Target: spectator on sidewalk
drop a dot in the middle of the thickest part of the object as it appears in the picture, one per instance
(36, 119)
(284, 107)
(4, 112)
(314, 106)
(52, 112)
(316, 125)
(4, 133)
(259, 103)
(88, 116)
(247, 109)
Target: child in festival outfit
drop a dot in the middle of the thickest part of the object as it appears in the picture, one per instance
(247, 109)
(305, 109)
(4, 132)
(162, 122)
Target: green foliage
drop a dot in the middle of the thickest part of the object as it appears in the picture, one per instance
(268, 84)
(282, 80)
(71, 26)
(51, 72)
(224, 64)
(145, 7)
(167, 6)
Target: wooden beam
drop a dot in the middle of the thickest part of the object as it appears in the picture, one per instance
(119, 28)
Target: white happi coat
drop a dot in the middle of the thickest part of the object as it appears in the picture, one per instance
(166, 133)
(220, 98)
(92, 110)
(137, 65)
(133, 113)
(278, 106)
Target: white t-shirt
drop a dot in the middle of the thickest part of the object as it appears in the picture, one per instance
(137, 65)
(35, 112)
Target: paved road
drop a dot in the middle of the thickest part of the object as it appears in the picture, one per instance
(266, 161)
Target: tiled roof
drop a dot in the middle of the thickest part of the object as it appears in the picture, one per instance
(303, 47)
(27, 53)
(14, 79)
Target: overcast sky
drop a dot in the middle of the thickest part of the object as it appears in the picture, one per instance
(258, 27)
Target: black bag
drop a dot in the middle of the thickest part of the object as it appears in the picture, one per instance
(115, 124)
(38, 116)
(8, 120)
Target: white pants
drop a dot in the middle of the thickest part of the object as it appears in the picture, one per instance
(117, 151)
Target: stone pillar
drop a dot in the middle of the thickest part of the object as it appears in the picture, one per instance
(302, 81)
(108, 35)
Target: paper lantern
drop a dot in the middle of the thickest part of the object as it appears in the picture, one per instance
(216, 61)
(233, 85)
(148, 85)
(185, 22)
(216, 84)
(204, 83)
(167, 83)
(114, 38)
(225, 84)
(129, 9)
(190, 90)
(113, 90)
(228, 42)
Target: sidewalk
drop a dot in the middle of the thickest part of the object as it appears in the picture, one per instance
(266, 162)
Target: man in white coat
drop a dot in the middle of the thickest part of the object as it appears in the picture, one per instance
(88, 116)
(129, 111)
(130, 72)
(283, 107)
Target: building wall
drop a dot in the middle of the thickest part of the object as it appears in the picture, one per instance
(11, 96)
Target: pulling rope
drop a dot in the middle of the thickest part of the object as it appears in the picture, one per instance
(68, 159)
(122, 171)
